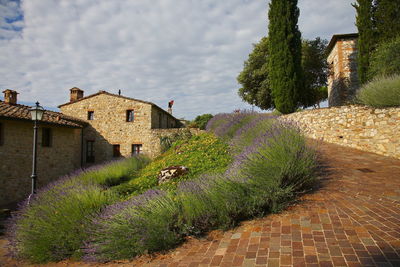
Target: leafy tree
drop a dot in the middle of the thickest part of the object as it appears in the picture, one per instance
(254, 77)
(202, 120)
(387, 19)
(315, 69)
(321, 94)
(284, 62)
(385, 60)
(366, 34)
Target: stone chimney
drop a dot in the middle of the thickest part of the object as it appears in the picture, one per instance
(170, 104)
(75, 94)
(10, 96)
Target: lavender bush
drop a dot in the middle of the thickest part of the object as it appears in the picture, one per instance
(225, 125)
(272, 165)
(143, 224)
(52, 227)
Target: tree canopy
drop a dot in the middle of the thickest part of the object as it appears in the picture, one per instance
(315, 69)
(284, 62)
(366, 36)
(254, 77)
(202, 120)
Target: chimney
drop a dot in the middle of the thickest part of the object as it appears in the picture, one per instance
(170, 104)
(75, 94)
(10, 96)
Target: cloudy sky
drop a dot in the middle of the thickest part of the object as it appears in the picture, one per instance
(187, 50)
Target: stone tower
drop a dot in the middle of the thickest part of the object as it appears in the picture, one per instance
(342, 59)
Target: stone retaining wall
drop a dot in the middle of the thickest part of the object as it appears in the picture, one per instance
(364, 128)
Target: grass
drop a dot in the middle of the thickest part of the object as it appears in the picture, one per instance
(381, 92)
(203, 153)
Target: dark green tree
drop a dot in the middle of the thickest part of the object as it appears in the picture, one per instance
(284, 64)
(315, 69)
(385, 60)
(202, 120)
(254, 77)
(366, 36)
(387, 19)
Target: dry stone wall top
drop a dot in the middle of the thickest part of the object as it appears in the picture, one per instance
(364, 128)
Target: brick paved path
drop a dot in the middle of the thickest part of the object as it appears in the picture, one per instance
(352, 220)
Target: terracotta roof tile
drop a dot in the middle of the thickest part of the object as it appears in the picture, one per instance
(21, 112)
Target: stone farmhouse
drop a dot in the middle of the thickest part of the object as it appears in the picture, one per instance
(342, 59)
(59, 148)
(89, 130)
(118, 125)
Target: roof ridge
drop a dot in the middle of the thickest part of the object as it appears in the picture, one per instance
(120, 96)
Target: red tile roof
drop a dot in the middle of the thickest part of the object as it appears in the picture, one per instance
(21, 112)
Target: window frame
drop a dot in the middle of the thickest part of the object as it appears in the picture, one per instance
(116, 150)
(130, 115)
(90, 158)
(139, 151)
(47, 137)
(1, 133)
(90, 115)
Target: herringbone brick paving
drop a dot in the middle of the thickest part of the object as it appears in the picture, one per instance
(353, 219)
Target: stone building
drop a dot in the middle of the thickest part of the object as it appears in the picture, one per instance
(342, 59)
(118, 125)
(59, 148)
(90, 130)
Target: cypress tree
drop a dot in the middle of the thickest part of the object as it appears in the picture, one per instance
(387, 17)
(285, 73)
(366, 40)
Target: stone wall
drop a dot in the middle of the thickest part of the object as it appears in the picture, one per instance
(109, 126)
(343, 76)
(62, 157)
(368, 129)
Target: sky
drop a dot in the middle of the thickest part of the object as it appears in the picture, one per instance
(189, 51)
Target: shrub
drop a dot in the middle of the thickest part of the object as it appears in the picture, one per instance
(226, 125)
(385, 60)
(143, 224)
(167, 141)
(114, 172)
(381, 92)
(51, 227)
(263, 178)
(202, 120)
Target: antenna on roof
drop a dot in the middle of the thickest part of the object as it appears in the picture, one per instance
(119, 92)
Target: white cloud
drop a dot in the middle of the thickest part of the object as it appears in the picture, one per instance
(189, 51)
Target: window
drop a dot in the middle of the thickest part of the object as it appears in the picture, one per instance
(89, 151)
(159, 120)
(90, 115)
(1, 134)
(130, 115)
(116, 151)
(136, 149)
(46, 137)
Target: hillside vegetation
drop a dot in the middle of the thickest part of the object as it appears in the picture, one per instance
(247, 165)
